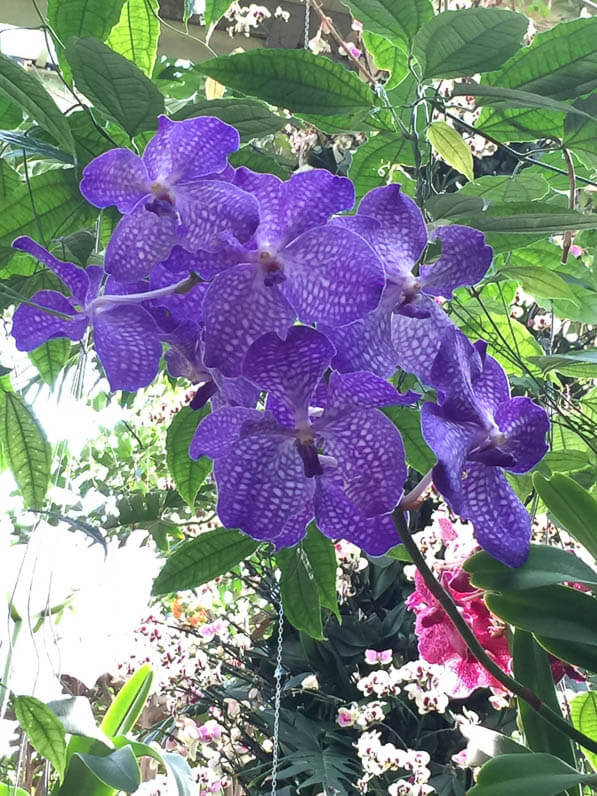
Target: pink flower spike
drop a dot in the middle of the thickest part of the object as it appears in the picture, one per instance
(345, 718)
(353, 50)
(378, 656)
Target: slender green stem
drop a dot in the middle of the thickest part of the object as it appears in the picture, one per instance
(4, 687)
(476, 649)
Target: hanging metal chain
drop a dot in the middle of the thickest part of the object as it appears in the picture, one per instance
(278, 673)
(307, 20)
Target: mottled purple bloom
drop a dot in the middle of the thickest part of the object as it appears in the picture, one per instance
(476, 431)
(322, 451)
(407, 327)
(178, 192)
(125, 335)
(295, 264)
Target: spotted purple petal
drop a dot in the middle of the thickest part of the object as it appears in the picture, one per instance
(210, 210)
(237, 309)
(455, 371)
(370, 456)
(294, 528)
(218, 433)
(525, 425)
(365, 344)
(74, 278)
(417, 341)
(181, 152)
(338, 518)
(117, 177)
(464, 260)
(141, 239)
(290, 369)
(261, 485)
(501, 522)
(364, 390)
(31, 326)
(451, 442)
(181, 306)
(334, 276)
(127, 344)
(402, 236)
(491, 386)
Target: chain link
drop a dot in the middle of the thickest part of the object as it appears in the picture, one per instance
(278, 673)
(307, 21)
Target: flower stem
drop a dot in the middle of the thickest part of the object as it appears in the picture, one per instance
(413, 498)
(183, 286)
(476, 649)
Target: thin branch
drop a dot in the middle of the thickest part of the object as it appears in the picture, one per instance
(340, 41)
(571, 202)
(476, 649)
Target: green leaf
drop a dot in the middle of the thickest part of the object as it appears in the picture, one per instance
(24, 142)
(252, 119)
(114, 85)
(531, 668)
(136, 34)
(26, 91)
(202, 559)
(181, 772)
(50, 358)
(546, 220)
(539, 281)
(11, 790)
(581, 364)
(471, 40)
(11, 114)
(126, 708)
(57, 207)
(119, 769)
(580, 133)
(77, 718)
(26, 449)
(451, 147)
(300, 595)
(322, 559)
(556, 611)
(188, 475)
(575, 652)
(545, 566)
(43, 729)
(9, 179)
(505, 98)
(561, 63)
(397, 22)
(572, 506)
(259, 161)
(419, 455)
(214, 11)
(566, 461)
(534, 774)
(523, 187)
(293, 79)
(399, 553)
(387, 56)
(374, 161)
(583, 714)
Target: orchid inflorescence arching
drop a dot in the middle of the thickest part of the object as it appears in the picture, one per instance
(257, 286)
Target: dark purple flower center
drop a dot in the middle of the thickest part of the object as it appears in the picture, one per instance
(203, 394)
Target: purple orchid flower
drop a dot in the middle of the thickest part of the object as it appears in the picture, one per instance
(407, 327)
(476, 432)
(125, 334)
(295, 264)
(342, 463)
(178, 192)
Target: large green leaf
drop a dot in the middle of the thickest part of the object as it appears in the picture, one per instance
(534, 774)
(214, 11)
(187, 473)
(575, 652)
(539, 282)
(388, 56)
(11, 790)
(252, 119)
(581, 364)
(256, 160)
(322, 559)
(300, 595)
(505, 98)
(471, 40)
(572, 506)
(372, 163)
(293, 79)
(556, 611)
(26, 450)
(11, 114)
(50, 358)
(531, 668)
(137, 32)
(545, 566)
(118, 770)
(50, 206)
(522, 187)
(43, 729)
(115, 85)
(126, 708)
(580, 133)
(24, 90)
(201, 559)
(181, 773)
(583, 714)
(397, 22)
(29, 143)
(9, 179)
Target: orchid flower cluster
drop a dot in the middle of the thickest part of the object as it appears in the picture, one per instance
(261, 286)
